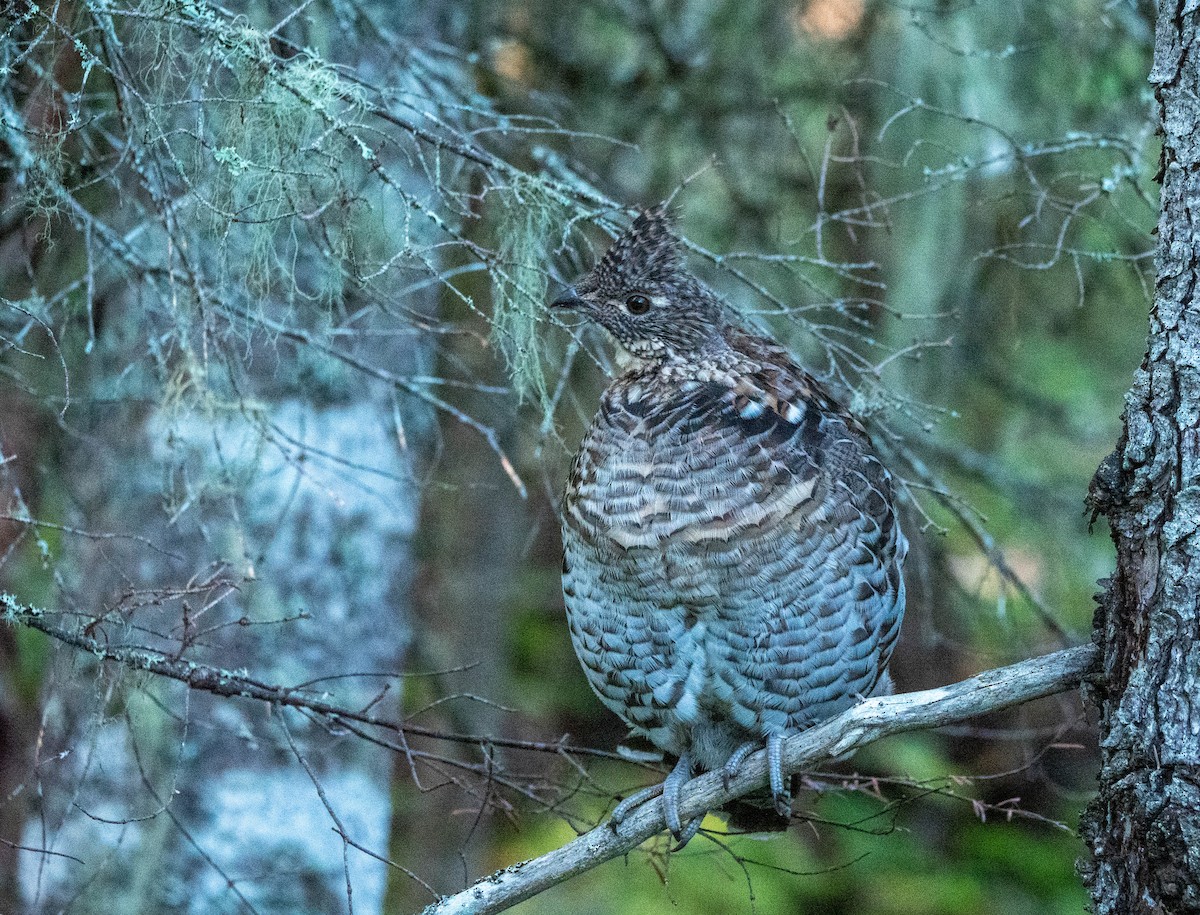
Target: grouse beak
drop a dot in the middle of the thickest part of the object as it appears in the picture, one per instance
(569, 299)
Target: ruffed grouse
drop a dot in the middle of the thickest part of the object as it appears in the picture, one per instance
(732, 566)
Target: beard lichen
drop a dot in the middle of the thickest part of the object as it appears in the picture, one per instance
(527, 224)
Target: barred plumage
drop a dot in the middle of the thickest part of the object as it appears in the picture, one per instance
(732, 567)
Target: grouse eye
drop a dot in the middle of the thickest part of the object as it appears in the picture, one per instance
(637, 304)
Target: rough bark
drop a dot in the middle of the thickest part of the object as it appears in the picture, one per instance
(1143, 827)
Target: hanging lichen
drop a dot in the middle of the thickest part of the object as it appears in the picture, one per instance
(527, 221)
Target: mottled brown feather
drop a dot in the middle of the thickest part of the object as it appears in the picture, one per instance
(732, 551)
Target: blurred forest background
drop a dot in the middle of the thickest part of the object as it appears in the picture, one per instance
(280, 398)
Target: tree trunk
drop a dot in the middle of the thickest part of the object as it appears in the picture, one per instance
(1144, 824)
(264, 510)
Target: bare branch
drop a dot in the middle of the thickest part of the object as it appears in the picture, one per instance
(867, 722)
(220, 682)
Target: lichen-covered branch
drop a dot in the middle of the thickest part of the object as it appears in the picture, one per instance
(868, 721)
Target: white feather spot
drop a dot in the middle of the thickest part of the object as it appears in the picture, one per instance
(752, 410)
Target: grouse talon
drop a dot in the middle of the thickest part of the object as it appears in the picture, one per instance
(689, 833)
(635, 800)
(735, 761)
(670, 795)
(779, 791)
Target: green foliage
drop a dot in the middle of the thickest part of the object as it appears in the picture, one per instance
(916, 860)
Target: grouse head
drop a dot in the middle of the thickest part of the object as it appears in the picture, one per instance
(641, 293)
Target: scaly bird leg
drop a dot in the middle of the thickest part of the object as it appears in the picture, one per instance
(670, 798)
(782, 796)
(689, 831)
(735, 762)
(669, 789)
(623, 809)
